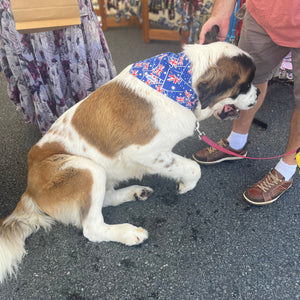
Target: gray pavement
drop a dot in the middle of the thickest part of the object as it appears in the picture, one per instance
(206, 244)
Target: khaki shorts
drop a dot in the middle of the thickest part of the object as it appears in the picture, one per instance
(266, 54)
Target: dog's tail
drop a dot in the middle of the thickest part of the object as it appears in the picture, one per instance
(14, 229)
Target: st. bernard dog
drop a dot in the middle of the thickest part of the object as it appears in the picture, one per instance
(125, 129)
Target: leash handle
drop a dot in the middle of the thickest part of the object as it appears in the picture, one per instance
(208, 141)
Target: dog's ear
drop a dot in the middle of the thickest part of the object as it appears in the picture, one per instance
(215, 83)
(211, 36)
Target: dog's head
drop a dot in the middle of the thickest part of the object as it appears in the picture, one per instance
(222, 76)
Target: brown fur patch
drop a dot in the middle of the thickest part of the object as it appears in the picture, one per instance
(59, 192)
(37, 154)
(113, 117)
(222, 80)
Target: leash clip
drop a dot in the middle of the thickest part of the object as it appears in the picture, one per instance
(200, 133)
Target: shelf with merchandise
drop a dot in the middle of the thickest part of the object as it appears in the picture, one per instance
(174, 20)
(118, 13)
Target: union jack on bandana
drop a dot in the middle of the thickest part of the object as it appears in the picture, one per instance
(169, 74)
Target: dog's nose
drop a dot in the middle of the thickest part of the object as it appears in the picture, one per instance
(257, 92)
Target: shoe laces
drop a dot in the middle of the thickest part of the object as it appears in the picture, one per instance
(220, 143)
(269, 181)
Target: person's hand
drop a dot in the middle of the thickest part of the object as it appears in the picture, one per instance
(223, 28)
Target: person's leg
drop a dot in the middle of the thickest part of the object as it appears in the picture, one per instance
(270, 188)
(279, 179)
(241, 126)
(287, 165)
(267, 56)
(294, 136)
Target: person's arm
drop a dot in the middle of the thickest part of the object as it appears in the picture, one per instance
(220, 16)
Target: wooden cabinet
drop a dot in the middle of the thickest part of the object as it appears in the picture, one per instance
(148, 33)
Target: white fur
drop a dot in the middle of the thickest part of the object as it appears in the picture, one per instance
(203, 57)
(13, 232)
(174, 123)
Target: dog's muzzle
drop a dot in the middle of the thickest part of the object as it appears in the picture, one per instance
(229, 112)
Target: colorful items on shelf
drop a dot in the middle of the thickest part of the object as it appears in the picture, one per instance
(122, 8)
(186, 16)
(235, 23)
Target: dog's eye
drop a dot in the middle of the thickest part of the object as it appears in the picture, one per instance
(245, 88)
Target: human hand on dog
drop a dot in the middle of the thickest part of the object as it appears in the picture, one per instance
(207, 30)
(221, 17)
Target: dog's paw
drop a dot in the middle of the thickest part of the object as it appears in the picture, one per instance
(190, 178)
(142, 192)
(132, 235)
(183, 188)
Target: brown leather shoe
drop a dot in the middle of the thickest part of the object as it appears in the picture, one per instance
(211, 155)
(267, 190)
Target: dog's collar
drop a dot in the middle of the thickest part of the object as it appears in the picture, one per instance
(169, 74)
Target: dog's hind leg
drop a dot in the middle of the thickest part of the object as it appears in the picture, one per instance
(127, 194)
(74, 193)
(184, 171)
(94, 227)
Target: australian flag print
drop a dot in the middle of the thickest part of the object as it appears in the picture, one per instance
(169, 74)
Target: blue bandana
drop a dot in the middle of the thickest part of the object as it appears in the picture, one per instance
(169, 74)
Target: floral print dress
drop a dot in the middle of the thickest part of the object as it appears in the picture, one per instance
(50, 71)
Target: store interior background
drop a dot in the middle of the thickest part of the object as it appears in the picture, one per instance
(207, 244)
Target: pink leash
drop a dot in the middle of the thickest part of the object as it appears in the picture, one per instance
(208, 141)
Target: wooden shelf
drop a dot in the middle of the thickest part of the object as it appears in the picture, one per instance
(148, 33)
(110, 21)
(156, 34)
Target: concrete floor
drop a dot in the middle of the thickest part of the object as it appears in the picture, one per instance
(206, 244)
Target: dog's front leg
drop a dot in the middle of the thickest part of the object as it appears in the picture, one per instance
(184, 171)
(127, 194)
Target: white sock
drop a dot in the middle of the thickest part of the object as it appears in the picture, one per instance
(237, 141)
(286, 170)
